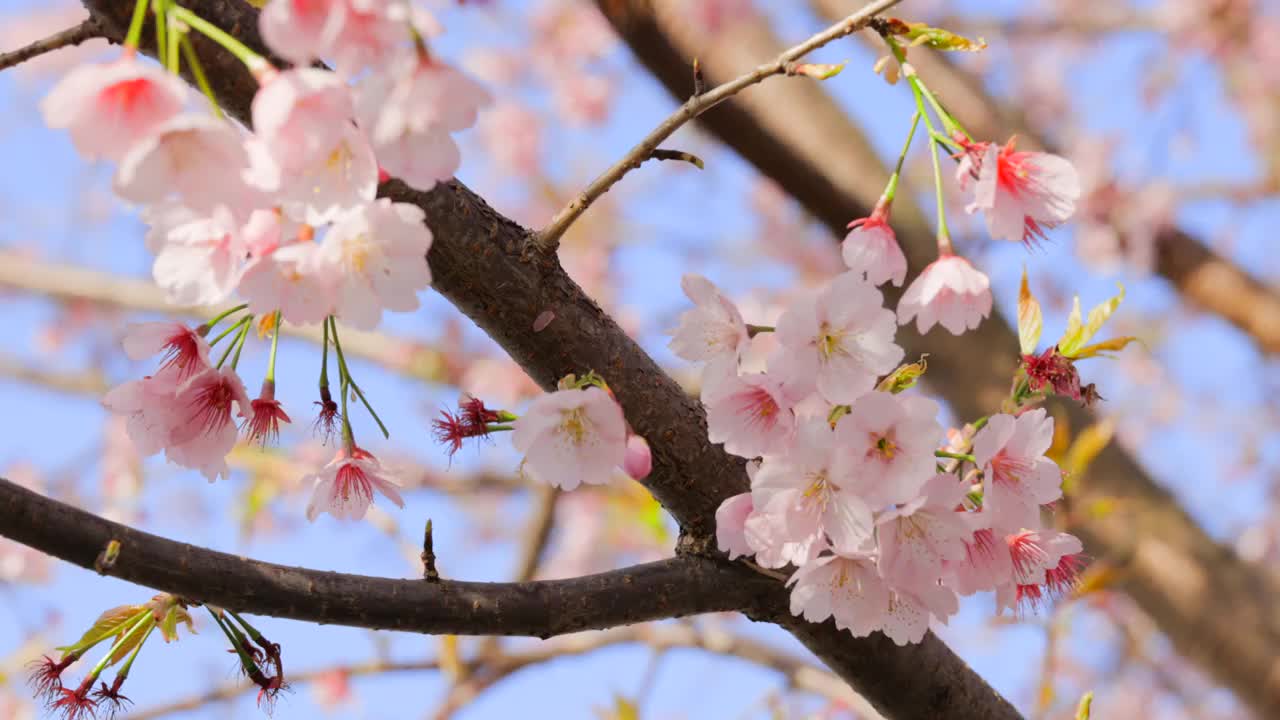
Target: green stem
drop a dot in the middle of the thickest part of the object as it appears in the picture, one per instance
(944, 234)
(754, 330)
(892, 188)
(172, 55)
(324, 357)
(981, 422)
(202, 80)
(346, 374)
(144, 619)
(234, 326)
(275, 341)
(499, 428)
(222, 316)
(348, 437)
(162, 29)
(240, 326)
(239, 344)
(955, 456)
(251, 59)
(124, 670)
(236, 644)
(135, 24)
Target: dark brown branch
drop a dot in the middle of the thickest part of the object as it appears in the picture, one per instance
(669, 588)
(479, 263)
(797, 135)
(86, 30)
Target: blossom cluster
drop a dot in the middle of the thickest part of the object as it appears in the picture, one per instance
(846, 484)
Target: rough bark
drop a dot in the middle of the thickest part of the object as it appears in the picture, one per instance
(794, 133)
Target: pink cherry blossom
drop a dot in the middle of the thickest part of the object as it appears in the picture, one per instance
(986, 563)
(872, 248)
(409, 110)
(196, 158)
(341, 181)
(344, 488)
(183, 351)
(200, 260)
(292, 279)
(147, 406)
(949, 292)
(918, 537)
(731, 519)
(300, 115)
(750, 414)
(638, 462)
(713, 331)
(202, 432)
(301, 31)
(372, 32)
(888, 442)
(841, 339)
(110, 108)
(1045, 563)
(847, 588)
(1022, 194)
(906, 620)
(807, 487)
(1018, 477)
(380, 252)
(572, 437)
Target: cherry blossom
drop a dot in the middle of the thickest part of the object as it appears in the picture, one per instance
(571, 437)
(301, 31)
(184, 351)
(1018, 478)
(949, 292)
(907, 618)
(713, 331)
(888, 441)
(341, 181)
(918, 537)
(202, 430)
(841, 339)
(1044, 563)
(264, 425)
(301, 115)
(1022, 194)
(847, 588)
(986, 563)
(809, 490)
(345, 487)
(147, 406)
(110, 108)
(871, 248)
(292, 279)
(379, 254)
(750, 414)
(731, 520)
(199, 262)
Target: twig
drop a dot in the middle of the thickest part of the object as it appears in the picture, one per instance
(548, 239)
(87, 30)
(429, 572)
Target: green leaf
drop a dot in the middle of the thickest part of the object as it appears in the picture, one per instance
(1073, 341)
(905, 377)
(109, 623)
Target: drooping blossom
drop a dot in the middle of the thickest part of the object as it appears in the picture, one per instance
(110, 108)
(293, 279)
(839, 340)
(379, 251)
(750, 414)
(183, 351)
(809, 491)
(572, 437)
(199, 160)
(300, 115)
(301, 31)
(949, 292)
(917, 537)
(731, 519)
(147, 406)
(888, 442)
(200, 260)
(345, 487)
(1022, 194)
(1046, 564)
(410, 108)
(1018, 477)
(202, 431)
(871, 248)
(713, 330)
(339, 181)
(264, 425)
(847, 588)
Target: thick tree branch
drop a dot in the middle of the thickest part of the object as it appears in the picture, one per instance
(797, 135)
(479, 262)
(668, 588)
(87, 30)
(549, 237)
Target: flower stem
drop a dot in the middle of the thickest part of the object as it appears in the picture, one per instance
(162, 42)
(754, 330)
(324, 357)
(275, 341)
(172, 55)
(222, 316)
(891, 189)
(234, 326)
(197, 71)
(124, 670)
(346, 374)
(241, 338)
(145, 619)
(954, 456)
(944, 235)
(252, 60)
(235, 638)
(135, 24)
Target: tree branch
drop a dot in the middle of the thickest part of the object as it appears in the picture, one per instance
(480, 263)
(795, 134)
(669, 588)
(548, 239)
(87, 30)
